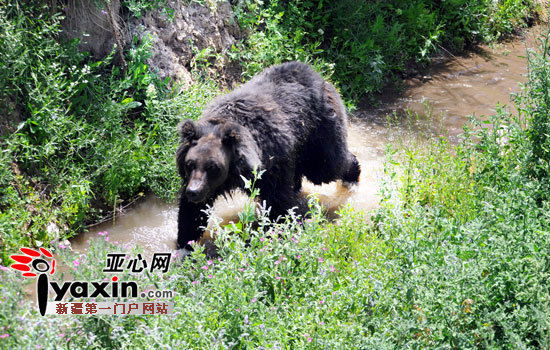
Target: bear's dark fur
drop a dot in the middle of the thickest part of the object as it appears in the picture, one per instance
(286, 120)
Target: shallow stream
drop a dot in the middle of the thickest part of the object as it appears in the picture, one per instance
(442, 97)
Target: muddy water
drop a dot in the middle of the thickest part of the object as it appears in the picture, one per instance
(449, 91)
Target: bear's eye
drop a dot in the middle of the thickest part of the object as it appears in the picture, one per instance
(212, 168)
(190, 164)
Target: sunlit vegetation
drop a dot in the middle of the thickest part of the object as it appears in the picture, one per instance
(456, 255)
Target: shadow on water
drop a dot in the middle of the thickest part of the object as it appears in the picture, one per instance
(450, 90)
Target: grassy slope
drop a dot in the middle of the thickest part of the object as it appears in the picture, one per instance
(456, 256)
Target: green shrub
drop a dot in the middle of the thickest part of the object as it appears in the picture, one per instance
(456, 256)
(470, 257)
(92, 136)
(534, 103)
(290, 287)
(364, 45)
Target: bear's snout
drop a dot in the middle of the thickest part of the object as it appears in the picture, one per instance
(196, 190)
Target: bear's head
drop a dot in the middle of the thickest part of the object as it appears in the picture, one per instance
(205, 157)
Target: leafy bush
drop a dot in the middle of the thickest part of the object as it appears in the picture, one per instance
(367, 44)
(457, 255)
(297, 283)
(471, 257)
(534, 103)
(92, 134)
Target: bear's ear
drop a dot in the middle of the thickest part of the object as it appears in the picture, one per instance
(188, 131)
(229, 133)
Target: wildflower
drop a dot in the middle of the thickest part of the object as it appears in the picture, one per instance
(103, 12)
(277, 262)
(241, 269)
(210, 276)
(194, 282)
(253, 300)
(309, 340)
(204, 267)
(294, 240)
(321, 302)
(322, 323)
(321, 260)
(278, 277)
(332, 269)
(238, 310)
(299, 256)
(190, 242)
(76, 263)
(325, 249)
(115, 242)
(4, 268)
(61, 246)
(106, 239)
(262, 239)
(4, 335)
(209, 262)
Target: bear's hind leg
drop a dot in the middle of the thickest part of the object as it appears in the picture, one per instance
(351, 175)
(281, 199)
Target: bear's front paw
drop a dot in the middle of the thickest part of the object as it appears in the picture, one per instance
(181, 253)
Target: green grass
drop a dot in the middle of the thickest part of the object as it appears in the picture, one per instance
(92, 137)
(456, 256)
(364, 45)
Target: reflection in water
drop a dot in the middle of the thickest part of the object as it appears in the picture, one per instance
(468, 85)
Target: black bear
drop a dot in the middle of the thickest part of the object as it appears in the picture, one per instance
(286, 120)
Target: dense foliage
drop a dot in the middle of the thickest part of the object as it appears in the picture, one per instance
(457, 255)
(366, 43)
(91, 134)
